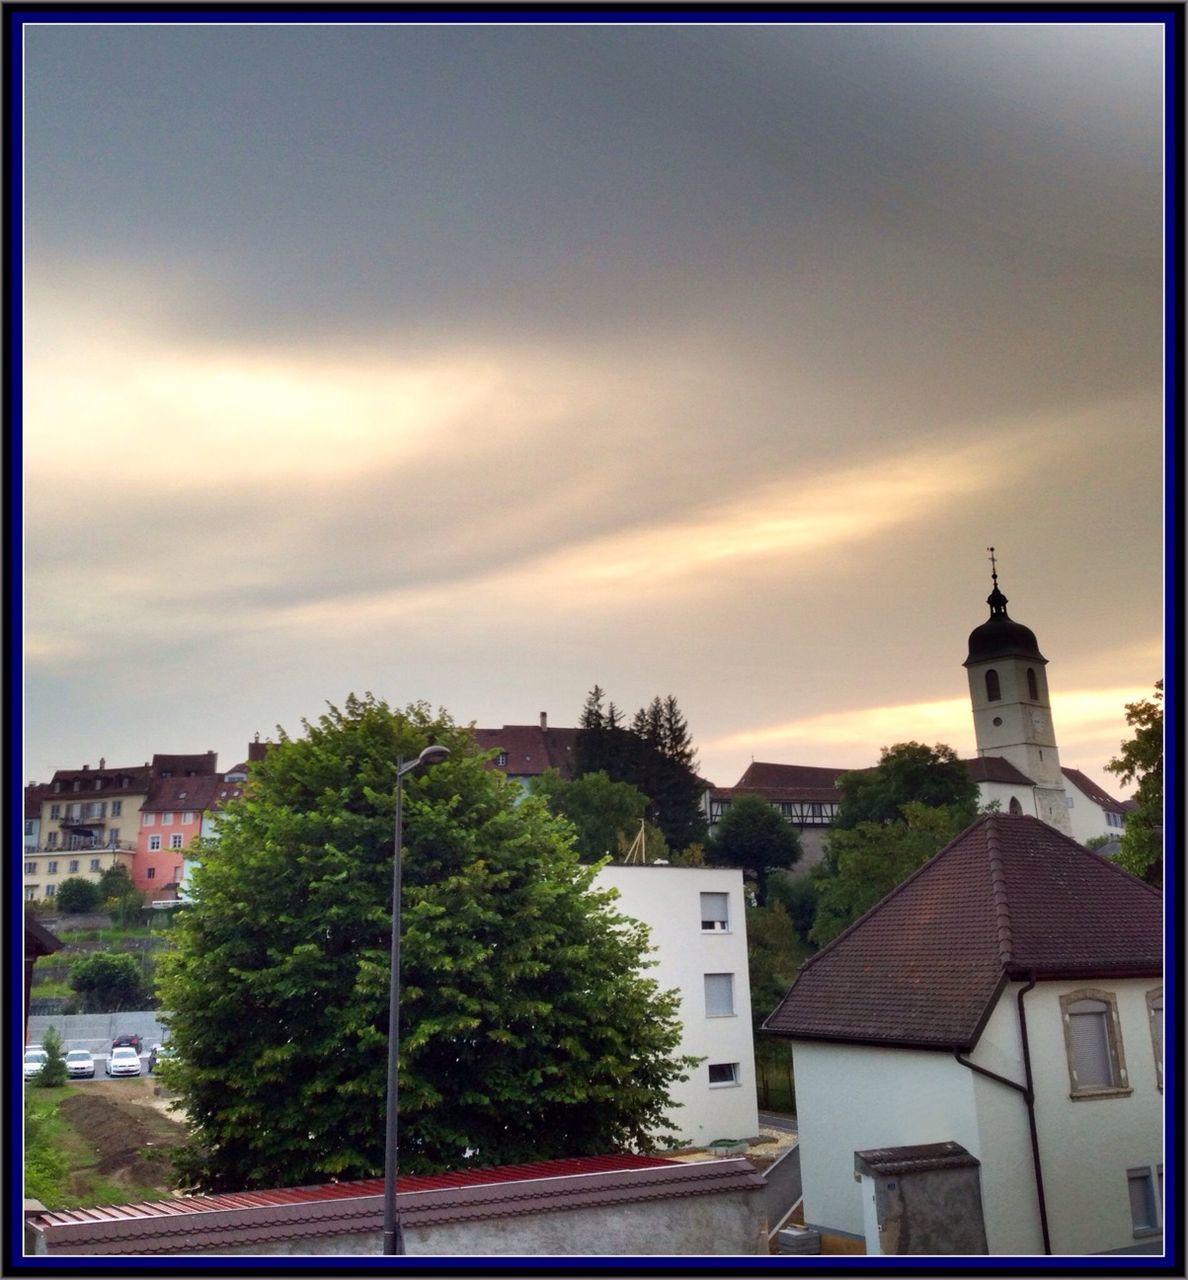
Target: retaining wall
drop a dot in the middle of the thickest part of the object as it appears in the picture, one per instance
(96, 1031)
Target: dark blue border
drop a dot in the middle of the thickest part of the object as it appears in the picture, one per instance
(1171, 16)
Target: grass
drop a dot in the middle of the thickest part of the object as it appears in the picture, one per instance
(47, 1165)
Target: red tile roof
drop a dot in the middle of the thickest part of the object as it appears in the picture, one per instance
(1095, 793)
(203, 764)
(996, 769)
(193, 793)
(110, 779)
(1008, 897)
(195, 1223)
(761, 775)
(808, 782)
(530, 748)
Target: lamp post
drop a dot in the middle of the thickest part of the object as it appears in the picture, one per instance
(393, 1236)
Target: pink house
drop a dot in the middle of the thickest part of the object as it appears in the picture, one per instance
(180, 789)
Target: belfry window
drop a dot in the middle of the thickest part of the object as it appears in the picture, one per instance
(1032, 687)
(993, 689)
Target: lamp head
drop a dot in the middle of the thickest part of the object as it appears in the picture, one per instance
(433, 754)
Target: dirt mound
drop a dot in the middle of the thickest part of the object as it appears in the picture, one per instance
(132, 1140)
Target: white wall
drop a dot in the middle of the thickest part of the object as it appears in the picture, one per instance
(668, 901)
(1086, 816)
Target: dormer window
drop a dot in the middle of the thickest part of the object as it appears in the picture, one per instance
(501, 760)
(993, 688)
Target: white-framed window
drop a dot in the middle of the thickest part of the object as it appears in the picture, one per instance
(30, 868)
(51, 840)
(715, 912)
(96, 809)
(167, 819)
(148, 819)
(50, 890)
(501, 760)
(28, 826)
(186, 818)
(722, 1074)
(117, 807)
(55, 810)
(1144, 1208)
(94, 864)
(154, 843)
(150, 873)
(73, 865)
(1155, 1017)
(52, 869)
(1093, 1043)
(175, 840)
(113, 836)
(719, 995)
(31, 893)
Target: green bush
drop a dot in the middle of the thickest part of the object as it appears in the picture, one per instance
(54, 1072)
(46, 1168)
(108, 981)
(77, 896)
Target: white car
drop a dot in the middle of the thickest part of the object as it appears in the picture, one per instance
(124, 1061)
(35, 1059)
(79, 1063)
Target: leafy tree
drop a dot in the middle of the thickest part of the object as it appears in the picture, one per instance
(108, 981)
(655, 848)
(527, 1027)
(1096, 842)
(76, 895)
(798, 896)
(908, 771)
(1141, 758)
(869, 860)
(600, 810)
(116, 883)
(53, 1071)
(753, 836)
(774, 957)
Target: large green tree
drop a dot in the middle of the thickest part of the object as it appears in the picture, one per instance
(601, 810)
(108, 981)
(864, 863)
(1141, 760)
(908, 771)
(528, 1027)
(752, 835)
(78, 895)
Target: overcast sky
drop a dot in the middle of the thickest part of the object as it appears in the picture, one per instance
(481, 363)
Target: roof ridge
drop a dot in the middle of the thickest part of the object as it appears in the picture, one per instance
(998, 891)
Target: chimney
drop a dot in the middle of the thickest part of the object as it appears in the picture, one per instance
(544, 719)
(85, 767)
(102, 763)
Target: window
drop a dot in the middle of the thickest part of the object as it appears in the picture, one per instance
(715, 912)
(1068, 801)
(1015, 807)
(94, 864)
(55, 810)
(186, 817)
(29, 827)
(149, 819)
(993, 689)
(1155, 1017)
(175, 840)
(96, 809)
(52, 869)
(150, 872)
(51, 840)
(117, 807)
(1093, 1043)
(31, 893)
(719, 995)
(167, 819)
(113, 837)
(1032, 687)
(1142, 1201)
(50, 890)
(501, 760)
(73, 864)
(154, 843)
(30, 868)
(722, 1073)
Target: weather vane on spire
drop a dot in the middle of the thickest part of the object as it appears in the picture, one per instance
(993, 566)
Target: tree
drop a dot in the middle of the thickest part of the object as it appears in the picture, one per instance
(600, 810)
(527, 1027)
(1141, 758)
(53, 1071)
(116, 883)
(774, 957)
(76, 895)
(798, 896)
(908, 771)
(108, 981)
(752, 835)
(869, 860)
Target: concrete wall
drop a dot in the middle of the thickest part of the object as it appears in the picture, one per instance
(668, 901)
(95, 1031)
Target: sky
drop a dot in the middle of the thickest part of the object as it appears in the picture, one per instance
(481, 363)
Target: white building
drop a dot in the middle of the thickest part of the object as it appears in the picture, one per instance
(1092, 811)
(696, 917)
(1014, 962)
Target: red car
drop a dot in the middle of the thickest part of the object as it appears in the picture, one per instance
(132, 1041)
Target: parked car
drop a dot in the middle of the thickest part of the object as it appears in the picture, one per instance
(79, 1062)
(132, 1041)
(35, 1059)
(123, 1061)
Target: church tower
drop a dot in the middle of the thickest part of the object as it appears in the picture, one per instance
(1011, 711)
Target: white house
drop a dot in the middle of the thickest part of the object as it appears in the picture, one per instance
(1015, 980)
(696, 917)
(1092, 811)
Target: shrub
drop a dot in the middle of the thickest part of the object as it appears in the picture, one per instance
(77, 895)
(53, 1073)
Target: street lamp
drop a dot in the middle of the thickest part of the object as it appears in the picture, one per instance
(393, 1236)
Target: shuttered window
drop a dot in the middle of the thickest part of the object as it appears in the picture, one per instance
(719, 995)
(1142, 1201)
(1089, 1032)
(715, 911)
(1155, 1014)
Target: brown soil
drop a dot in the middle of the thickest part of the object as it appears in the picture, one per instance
(125, 1126)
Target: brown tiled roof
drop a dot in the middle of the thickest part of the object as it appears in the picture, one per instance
(224, 791)
(530, 748)
(137, 775)
(180, 765)
(35, 793)
(195, 793)
(193, 1223)
(891, 1162)
(816, 795)
(996, 769)
(760, 775)
(1008, 897)
(1095, 793)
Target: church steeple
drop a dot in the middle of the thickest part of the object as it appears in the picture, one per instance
(1009, 694)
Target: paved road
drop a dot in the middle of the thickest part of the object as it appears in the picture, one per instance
(776, 1120)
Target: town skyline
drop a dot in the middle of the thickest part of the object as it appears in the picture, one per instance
(480, 364)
